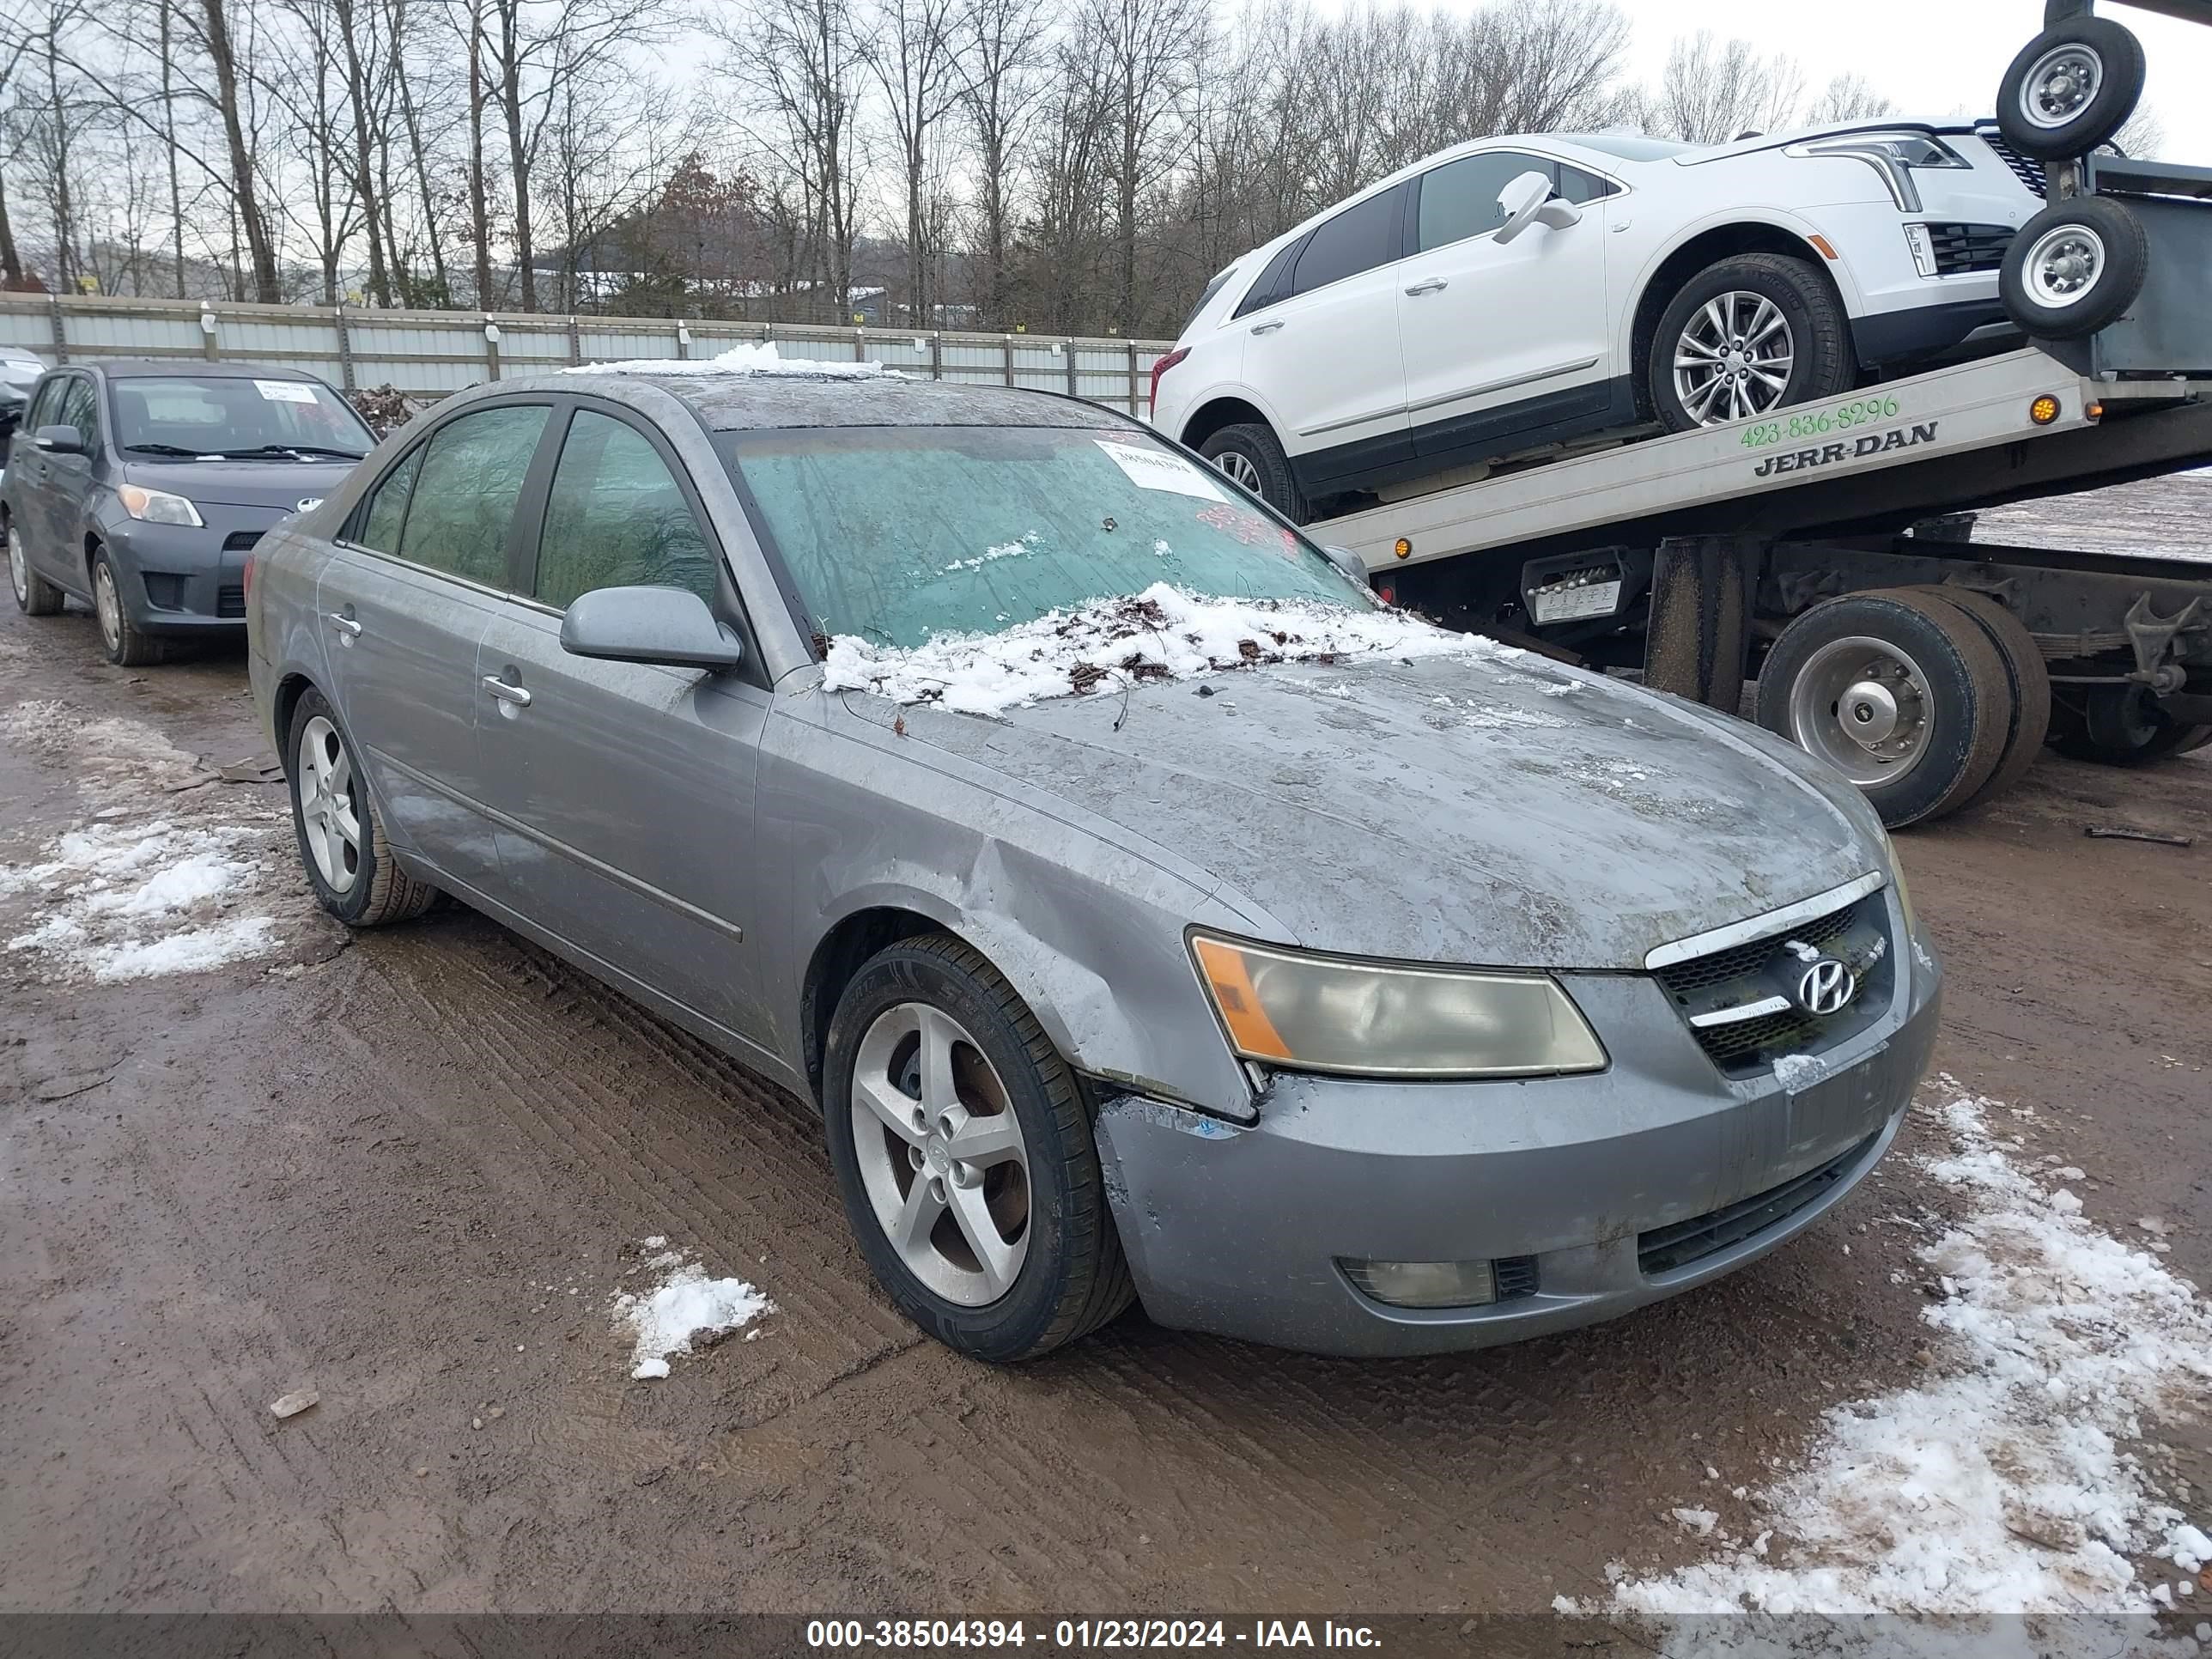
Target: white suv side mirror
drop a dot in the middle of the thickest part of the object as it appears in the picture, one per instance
(1529, 200)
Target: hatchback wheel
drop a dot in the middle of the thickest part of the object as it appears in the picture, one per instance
(965, 1155)
(1744, 337)
(340, 837)
(126, 646)
(34, 595)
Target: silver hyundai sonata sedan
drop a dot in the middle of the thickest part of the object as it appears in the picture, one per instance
(1152, 914)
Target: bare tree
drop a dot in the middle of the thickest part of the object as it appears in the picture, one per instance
(1710, 93)
(909, 51)
(1848, 97)
(998, 53)
(218, 41)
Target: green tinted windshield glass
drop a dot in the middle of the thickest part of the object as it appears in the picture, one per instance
(898, 533)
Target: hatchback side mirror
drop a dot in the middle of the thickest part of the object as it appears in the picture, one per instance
(1353, 566)
(670, 626)
(1528, 201)
(59, 440)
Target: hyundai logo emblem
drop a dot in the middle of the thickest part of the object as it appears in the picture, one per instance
(1826, 988)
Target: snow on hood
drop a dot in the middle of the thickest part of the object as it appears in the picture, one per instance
(754, 359)
(1165, 632)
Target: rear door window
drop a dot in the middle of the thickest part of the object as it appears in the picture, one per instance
(465, 495)
(1362, 236)
(616, 517)
(1275, 281)
(387, 507)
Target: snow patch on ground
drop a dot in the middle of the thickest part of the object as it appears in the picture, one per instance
(1165, 632)
(760, 360)
(114, 760)
(2001, 1485)
(685, 1305)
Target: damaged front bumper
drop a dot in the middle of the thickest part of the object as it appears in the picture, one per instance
(1590, 1195)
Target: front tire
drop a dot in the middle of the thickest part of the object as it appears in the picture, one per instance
(125, 645)
(2070, 88)
(2074, 268)
(34, 595)
(965, 1156)
(334, 817)
(1251, 455)
(1744, 337)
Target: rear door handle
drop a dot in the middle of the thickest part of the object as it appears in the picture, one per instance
(507, 690)
(1428, 285)
(344, 622)
(1267, 328)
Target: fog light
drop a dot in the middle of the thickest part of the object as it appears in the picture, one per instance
(1423, 1284)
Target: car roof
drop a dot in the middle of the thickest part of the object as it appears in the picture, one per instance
(738, 400)
(122, 368)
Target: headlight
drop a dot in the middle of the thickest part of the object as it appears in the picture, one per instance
(1310, 1013)
(1897, 880)
(157, 505)
(1895, 155)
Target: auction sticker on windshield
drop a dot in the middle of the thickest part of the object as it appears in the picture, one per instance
(285, 392)
(1154, 469)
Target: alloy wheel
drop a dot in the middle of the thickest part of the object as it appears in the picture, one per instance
(941, 1154)
(1240, 469)
(1733, 359)
(109, 605)
(18, 567)
(2064, 266)
(1862, 705)
(2061, 85)
(330, 804)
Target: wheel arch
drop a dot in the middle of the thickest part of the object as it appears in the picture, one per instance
(1223, 410)
(290, 688)
(1701, 247)
(837, 956)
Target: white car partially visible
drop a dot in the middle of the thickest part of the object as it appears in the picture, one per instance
(1514, 294)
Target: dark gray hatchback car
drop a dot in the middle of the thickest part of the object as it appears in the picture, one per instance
(139, 488)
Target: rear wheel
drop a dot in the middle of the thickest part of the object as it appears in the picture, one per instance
(1744, 337)
(2024, 666)
(1251, 455)
(2123, 725)
(1900, 691)
(340, 835)
(126, 646)
(2070, 88)
(965, 1156)
(34, 595)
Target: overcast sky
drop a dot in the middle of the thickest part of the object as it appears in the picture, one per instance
(1934, 57)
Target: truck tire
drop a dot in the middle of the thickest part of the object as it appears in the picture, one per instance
(1251, 455)
(1755, 318)
(2123, 725)
(2074, 268)
(1901, 691)
(2024, 666)
(1697, 643)
(2070, 88)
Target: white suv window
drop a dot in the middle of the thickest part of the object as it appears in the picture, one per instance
(1362, 236)
(1460, 198)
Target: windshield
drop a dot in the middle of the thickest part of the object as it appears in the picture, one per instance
(897, 534)
(223, 415)
(1629, 147)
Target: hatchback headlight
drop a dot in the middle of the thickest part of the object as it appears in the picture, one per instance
(1312, 1013)
(157, 505)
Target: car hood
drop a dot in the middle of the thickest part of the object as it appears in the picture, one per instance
(1509, 813)
(281, 486)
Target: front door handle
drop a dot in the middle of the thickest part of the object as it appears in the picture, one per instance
(507, 690)
(1428, 285)
(1267, 328)
(339, 619)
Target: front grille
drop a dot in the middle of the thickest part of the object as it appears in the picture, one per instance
(1516, 1277)
(230, 601)
(2028, 173)
(241, 541)
(1743, 975)
(1665, 1249)
(1962, 248)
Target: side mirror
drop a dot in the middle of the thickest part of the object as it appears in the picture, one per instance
(670, 626)
(1354, 567)
(1528, 201)
(59, 440)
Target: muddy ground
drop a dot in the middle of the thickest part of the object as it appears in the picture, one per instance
(377, 1168)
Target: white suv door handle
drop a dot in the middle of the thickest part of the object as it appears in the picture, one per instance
(1267, 328)
(1428, 285)
(507, 691)
(346, 623)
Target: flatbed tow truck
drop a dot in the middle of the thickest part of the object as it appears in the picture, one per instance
(1825, 547)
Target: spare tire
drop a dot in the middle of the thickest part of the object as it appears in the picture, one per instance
(2074, 268)
(2070, 88)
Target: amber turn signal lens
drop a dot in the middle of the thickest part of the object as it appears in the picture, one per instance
(1403, 548)
(1230, 982)
(2044, 410)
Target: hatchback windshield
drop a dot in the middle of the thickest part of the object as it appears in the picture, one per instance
(899, 534)
(224, 415)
